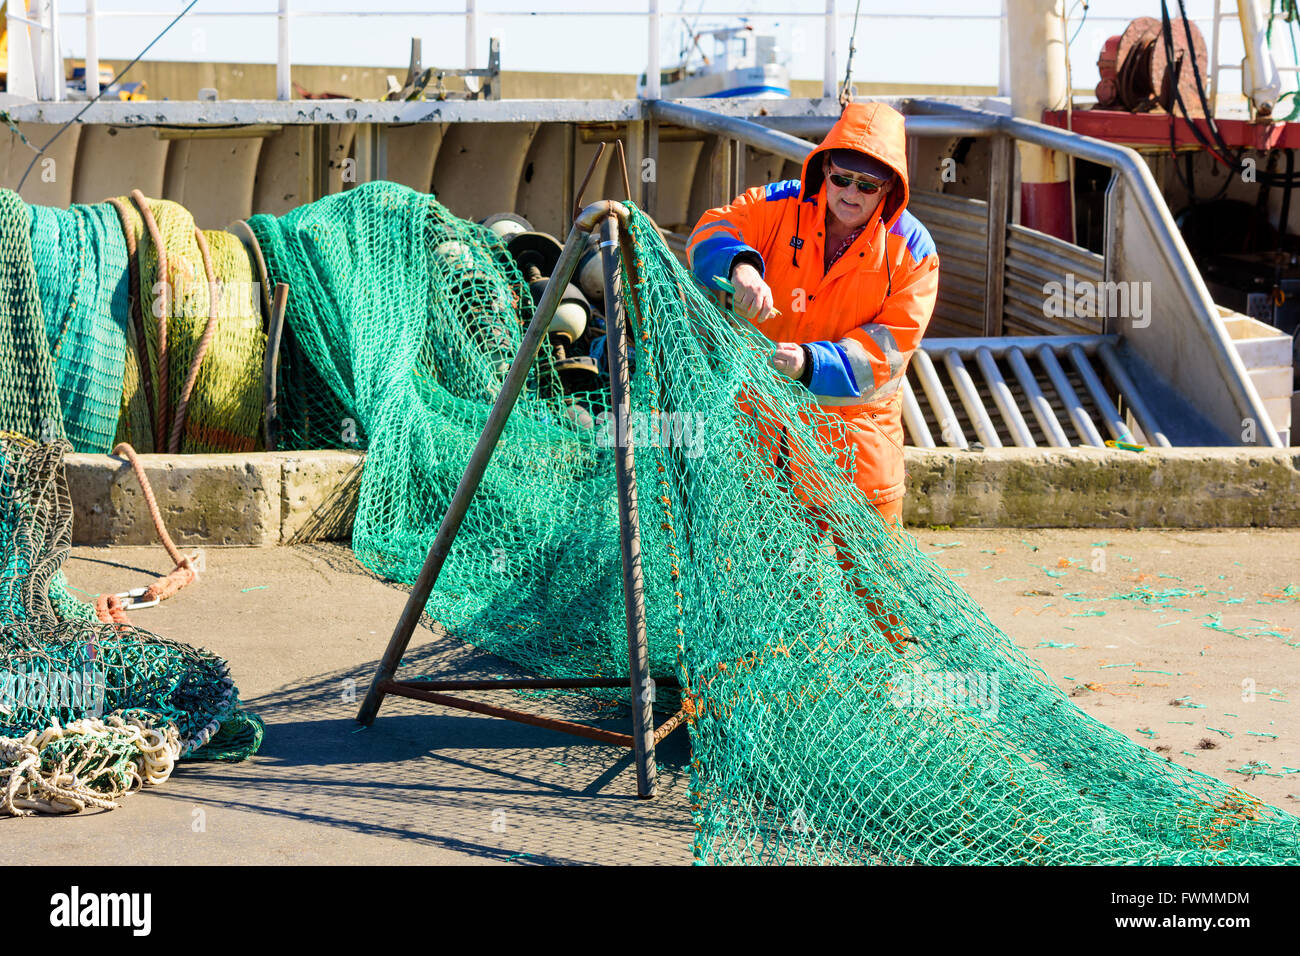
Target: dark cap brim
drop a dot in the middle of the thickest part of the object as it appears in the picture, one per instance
(856, 162)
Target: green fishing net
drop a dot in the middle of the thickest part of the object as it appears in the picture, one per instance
(58, 664)
(81, 271)
(64, 315)
(848, 702)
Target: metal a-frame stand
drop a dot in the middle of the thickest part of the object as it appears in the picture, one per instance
(612, 219)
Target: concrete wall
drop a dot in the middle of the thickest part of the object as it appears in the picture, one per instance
(290, 497)
(265, 498)
(1100, 488)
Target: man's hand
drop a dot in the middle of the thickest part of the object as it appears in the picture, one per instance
(788, 359)
(753, 297)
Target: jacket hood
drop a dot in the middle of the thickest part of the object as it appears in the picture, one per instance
(872, 128)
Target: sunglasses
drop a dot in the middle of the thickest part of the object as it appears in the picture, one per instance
(864, 186)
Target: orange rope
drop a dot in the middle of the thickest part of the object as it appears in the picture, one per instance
(137, 320)
(109, 610)
(164, 417)
(108, 607)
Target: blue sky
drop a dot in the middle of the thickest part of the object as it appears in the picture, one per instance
(936, 41)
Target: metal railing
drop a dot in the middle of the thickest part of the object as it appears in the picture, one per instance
(47, 82)
(1087, 417)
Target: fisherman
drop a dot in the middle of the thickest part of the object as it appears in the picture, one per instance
(853, 276)
(835, 270)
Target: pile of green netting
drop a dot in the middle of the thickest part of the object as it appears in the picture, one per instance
(88, 711)
(87, 298)
(814, 739)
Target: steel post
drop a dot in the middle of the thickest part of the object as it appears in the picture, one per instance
(628, 521)
(1000, 175)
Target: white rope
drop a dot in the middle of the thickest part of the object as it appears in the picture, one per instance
(85, 775)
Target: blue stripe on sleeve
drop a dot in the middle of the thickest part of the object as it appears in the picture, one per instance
(831, 374)
(917, 237)
(782, 190)
(713, 257)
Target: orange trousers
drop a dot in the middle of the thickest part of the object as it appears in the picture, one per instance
(887, 620)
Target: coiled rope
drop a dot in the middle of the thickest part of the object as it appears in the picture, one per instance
(89, 764)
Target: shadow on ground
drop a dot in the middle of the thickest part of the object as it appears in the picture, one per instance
(428, 775)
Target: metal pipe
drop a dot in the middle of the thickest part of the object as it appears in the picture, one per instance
(1260, 82)
(471, 34)
(629, 525)
(283, 81)
(482, 453)
(760, 137)
(1006, 402)
(1128, 390)
(92, 48)
(927, 121)
(949, 429)
(968, 347)
(1038, 402)
(970, 397)
(37, 28)
(1004, 54)
(829, 75)
(1213, 78)
(404, 689)
(1114, 422)
(915, 421)
(1078, 415)
(527, 683)
(58, 74)
(271, 366)
(412, 690)
(652, 87)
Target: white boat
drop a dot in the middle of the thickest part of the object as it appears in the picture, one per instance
(743, 63)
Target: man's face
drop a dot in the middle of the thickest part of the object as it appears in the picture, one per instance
(850, 205)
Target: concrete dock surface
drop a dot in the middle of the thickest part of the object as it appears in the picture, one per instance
(1188, 642)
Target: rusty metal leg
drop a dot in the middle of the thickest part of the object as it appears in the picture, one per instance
(643, 730)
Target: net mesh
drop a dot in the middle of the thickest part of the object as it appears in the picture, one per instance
(847, 701)
(59, 665)
(89, 711)
(81, 270)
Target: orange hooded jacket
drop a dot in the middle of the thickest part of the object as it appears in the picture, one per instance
(862, 319)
